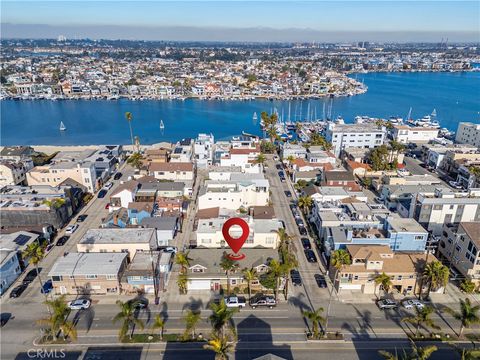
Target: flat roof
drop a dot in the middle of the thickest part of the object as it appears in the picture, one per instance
(118, 236)
(400, 224)
(76, 264)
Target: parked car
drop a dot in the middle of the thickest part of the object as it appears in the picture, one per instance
(262, 300)
(235, 301)
(102, 193)
(288, 193)
(278, 166)
(303, 231)
(296, 278)
(299, 221)
(108, 185)
(49, 247)
(31, 275)
(282, 179)
(82, 218)
(170, 249)
(387, 304)
(320, 280)
(411, 303)
(18, 290)
(62, 241)
(140, 304)
(71, 229)
(4, 317)
(46, 287)
(455, 185)
(79, 304)
(307, 245)
(310, 255)
(117, 176)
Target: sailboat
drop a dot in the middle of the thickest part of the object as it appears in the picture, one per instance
(62, 126)
(162, 125)
(434, 113)
(255, 118)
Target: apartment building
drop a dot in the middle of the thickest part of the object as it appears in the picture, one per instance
(234, 195)
(172, 171)
(354, 135)
(81, 273)
(370, 260)
(118, 240)
(460, 246)
(468, 133)
(263, 233)
(296, 150)
(405, 134)
(443, 207)
(203, 150)
(13, 173)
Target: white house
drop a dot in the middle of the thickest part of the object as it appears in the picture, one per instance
(406, 134)
(172, 171)
(166, 228)
(354, 135)
(263, 233)
(203, 150)
(123, 195)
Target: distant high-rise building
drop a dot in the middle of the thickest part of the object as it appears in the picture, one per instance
(61, 38)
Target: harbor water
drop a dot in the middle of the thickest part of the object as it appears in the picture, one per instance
(455, 96)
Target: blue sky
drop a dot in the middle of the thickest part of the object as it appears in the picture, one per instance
(338, 16)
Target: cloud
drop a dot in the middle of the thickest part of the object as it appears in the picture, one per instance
(250, 34)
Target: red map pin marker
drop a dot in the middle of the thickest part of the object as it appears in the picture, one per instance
(235, 243)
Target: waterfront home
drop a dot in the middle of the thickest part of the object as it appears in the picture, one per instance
(128, 240)
(203, 150)
(262, 234)
(354, 135)
(205, 273)
(157, 155)
(16, 153)
(368, 261)
(80, 273)
(147, 271)
(460, 247)
(405, 134)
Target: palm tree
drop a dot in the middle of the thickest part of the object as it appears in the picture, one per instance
(135, 160)
(129, 117)
(228, 265)
(182, 281)
(468, 315)
(250, 275)
(385, 281)
(260, 159)
(182, 259)
(220, 345)
(68, 330)
(191, 319)
(422, 316)
(289, 263)
(277, 270)
(128, 317)
(221, 317)
(338, 259)
(305, 203)
(418, 353)
(35, 253)
(58, 311)
(317, 320)
(159, 323)
(284, 238)
(436, 274)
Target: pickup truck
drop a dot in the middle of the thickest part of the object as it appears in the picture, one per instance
(262, 300)
(235, 301)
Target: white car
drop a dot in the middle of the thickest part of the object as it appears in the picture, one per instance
(81, 304)
(410, 304)
(170, 249)
(108, 186)
(71, 229)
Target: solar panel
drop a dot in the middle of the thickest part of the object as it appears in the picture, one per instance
(22, 239)
(177, 151)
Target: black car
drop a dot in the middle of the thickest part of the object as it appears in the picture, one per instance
(31, 275)
(62, 241)
(102, 193)
(4, 317)
(321, 282)
(288, 193)
(279, 167)
(82, 218)
(17, 291)
(310, 255)
(117, 176)
(307, 245)
(281, 174)
(299, 222)
(296, 278)
(303, 231)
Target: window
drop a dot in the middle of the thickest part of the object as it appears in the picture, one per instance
(71, 277)
(90, 276)
(399, 277)
(57, 278)
(197, 270)
(111, 277)
(418, 237)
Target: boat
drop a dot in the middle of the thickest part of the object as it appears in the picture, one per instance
(62, 126)
(162, 125)
(254, 118)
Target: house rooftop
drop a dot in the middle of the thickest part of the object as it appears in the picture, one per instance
(160, 223)
(472, 229)
(119, 236)
(80, 264)
(399, 224)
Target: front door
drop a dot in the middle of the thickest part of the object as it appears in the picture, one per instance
(63, 290)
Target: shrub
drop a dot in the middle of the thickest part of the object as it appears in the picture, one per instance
(467, 286)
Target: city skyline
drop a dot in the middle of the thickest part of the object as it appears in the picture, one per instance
(251, 21)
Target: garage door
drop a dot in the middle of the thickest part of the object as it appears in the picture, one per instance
(351, 286)
(194, 284)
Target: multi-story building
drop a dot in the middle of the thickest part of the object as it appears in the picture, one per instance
(460, 246)
(443, 207)
(295, 150)
(203, 150)
(368, 261)
(172, 171)
(12, 173)
(468, 133)
(263, 233)
(354, 135)
(405, 134)
(88, 273)
(118, 240)
(183, 151)
(234, 195)
(16, 153)
(124, 194)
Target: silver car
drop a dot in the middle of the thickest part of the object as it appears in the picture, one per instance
(80, 304)
(410, 304)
